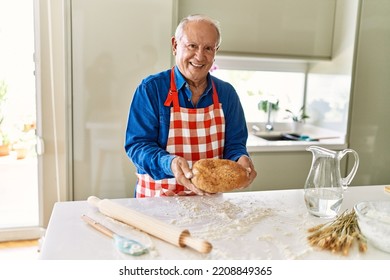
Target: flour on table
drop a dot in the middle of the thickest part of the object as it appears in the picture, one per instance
(219, 219)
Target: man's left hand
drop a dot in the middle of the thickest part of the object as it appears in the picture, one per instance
(247, 163)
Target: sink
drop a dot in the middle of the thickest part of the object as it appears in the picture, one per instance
(290, 137)
(270, 136)
(273, 137)
(279, 133)
(286, 134)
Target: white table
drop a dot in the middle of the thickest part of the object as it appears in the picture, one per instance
(268, 225)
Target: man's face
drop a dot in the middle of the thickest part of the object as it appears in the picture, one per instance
(196, 50)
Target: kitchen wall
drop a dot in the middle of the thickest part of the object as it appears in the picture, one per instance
(369, 129)
(109, 60)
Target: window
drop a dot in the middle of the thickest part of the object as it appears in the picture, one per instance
(258, 80)
(19, 186)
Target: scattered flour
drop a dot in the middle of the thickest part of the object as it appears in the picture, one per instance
(215, 220)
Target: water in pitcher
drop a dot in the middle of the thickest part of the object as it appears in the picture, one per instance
(323, 202)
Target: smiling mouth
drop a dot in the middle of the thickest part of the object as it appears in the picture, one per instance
(196, 65)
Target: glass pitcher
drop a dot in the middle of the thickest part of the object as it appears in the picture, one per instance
(324, 185)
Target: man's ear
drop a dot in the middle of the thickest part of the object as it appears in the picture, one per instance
(174, 45)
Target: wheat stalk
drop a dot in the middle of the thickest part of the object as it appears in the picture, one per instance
(338, 236)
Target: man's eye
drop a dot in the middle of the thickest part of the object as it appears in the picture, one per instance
(192, 46)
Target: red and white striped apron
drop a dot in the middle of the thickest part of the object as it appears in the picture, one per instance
(193, 134)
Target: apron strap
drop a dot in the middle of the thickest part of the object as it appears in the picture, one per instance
(174, 97)
(172, 94)
(215, 96)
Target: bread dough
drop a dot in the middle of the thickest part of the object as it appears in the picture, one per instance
(219, 175)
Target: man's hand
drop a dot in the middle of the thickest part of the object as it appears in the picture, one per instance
(247, 163)
(183, 174)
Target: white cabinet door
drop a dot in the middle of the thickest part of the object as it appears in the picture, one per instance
(115, 44)
(302, 28)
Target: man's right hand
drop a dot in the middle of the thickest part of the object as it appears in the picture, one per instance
(183, 174)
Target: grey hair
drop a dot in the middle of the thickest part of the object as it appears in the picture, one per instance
(198, 17)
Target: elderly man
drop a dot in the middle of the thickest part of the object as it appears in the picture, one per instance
(184, 114)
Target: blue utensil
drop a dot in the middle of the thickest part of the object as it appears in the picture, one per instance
(123, 244)
(301, 137)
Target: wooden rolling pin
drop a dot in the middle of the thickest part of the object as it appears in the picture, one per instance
(157, 228)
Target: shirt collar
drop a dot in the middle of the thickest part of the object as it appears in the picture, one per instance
(181, 82)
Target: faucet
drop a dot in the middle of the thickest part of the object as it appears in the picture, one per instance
(268, 125)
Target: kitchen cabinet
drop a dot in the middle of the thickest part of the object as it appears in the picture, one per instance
(299, 28)
(280, 170)
(284, 170)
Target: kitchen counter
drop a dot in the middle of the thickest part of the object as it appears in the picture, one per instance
(269, 225)
(327, 138)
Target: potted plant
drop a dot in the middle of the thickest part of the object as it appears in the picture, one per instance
(301, 116)
(263, 105)
(297, 118)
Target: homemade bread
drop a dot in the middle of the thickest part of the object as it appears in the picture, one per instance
(219, 175)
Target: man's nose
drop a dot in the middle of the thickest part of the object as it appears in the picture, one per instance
(200, 52)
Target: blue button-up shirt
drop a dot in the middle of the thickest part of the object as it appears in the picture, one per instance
(148, 122)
